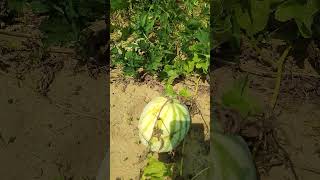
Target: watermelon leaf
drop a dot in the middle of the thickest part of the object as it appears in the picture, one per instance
(169, 91)
(255, 18)
(16, 5)
(39, 7)
(156, 169)
(119, 4)
(303, 14)
(185, 93)
(239, 99)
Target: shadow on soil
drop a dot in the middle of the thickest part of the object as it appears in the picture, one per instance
(193, 154)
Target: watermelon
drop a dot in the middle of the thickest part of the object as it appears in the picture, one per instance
(163, 124)
(230, 158)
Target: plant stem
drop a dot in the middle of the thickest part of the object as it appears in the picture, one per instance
(197, 87)
(255, 46)
(181, 163)
(198, 174)
(279, 75)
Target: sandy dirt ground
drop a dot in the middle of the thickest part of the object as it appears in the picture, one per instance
(128, 99)
(59, 137)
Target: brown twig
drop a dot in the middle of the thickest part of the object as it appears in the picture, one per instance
(75, 112)
(61, 50)
(315, 171)
(17, 34)
(53, 50)
(274, 75)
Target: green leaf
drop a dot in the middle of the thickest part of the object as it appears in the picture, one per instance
(143, 19)
(203, 36)
(217, 7)
(155, 60)
(57, 30)
(149, 26)
(39, 7)
(196, 58)
(185, 93)
(222, 30)
(90, 11)
(203, 65)
(303, 14)
(230, 158)
(193, 24)
(16, 5)
(172, 74)
(156, 169)
(119, 4)
(254, 19)
(169, 91)
(238, 98)
(126, 32)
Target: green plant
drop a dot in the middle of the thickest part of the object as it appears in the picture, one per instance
(301, 12)
(164, 38)
(16, 5)
(239, 99)
(183, 93)
(253, 17)
(119, 4)
(65, 18)
(157, 170)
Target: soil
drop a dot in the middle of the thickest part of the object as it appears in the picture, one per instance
(61, 135)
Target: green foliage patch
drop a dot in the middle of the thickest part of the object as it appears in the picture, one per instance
(238, 98)
(65, 18)
(156, 170)
(253, 17)
(169, 39)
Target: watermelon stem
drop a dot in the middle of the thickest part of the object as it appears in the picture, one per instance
(181, 163)
(158, 117)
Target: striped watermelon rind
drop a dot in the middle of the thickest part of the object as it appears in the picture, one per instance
(173, 124)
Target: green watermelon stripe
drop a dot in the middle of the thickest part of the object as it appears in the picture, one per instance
(184, 131)
(165, 137)
(235, 160)
(175, 125)
(176, 136)
(224, 159)
(179, 134)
